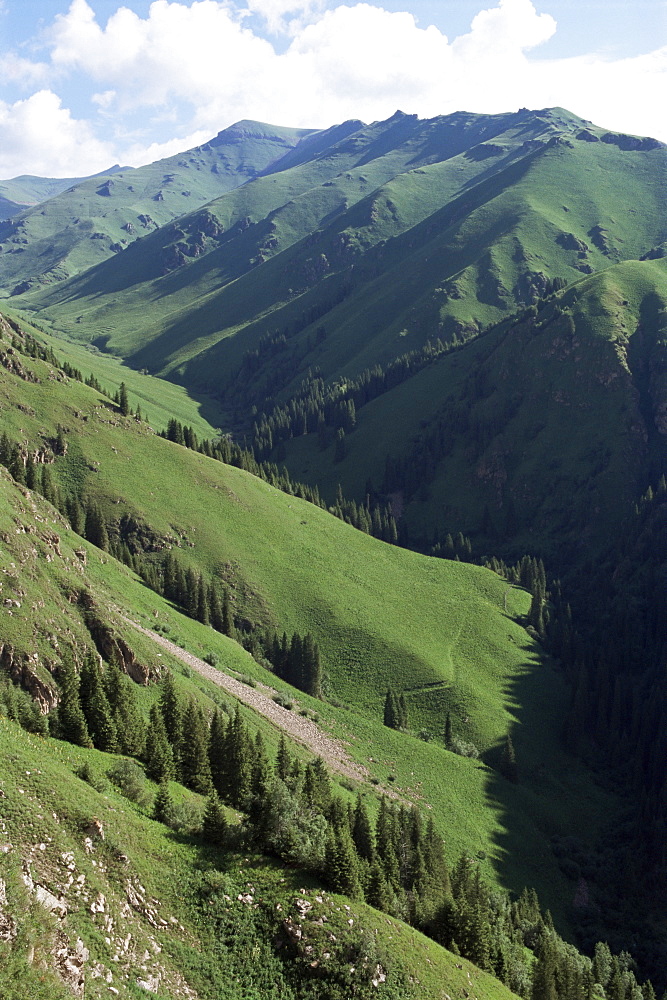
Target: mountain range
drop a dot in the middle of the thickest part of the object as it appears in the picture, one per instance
(450, 334)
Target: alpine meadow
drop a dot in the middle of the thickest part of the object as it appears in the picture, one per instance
(333, 551)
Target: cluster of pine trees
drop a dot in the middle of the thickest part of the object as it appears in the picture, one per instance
(395, 862)
(328, 410)
(395, 710)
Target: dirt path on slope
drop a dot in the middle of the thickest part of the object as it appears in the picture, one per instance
(304, 730)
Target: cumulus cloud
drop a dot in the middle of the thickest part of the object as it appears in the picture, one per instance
(205, 64)
(285, 15)
(40, 137)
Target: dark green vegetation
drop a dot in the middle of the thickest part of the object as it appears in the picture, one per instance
(451, 335)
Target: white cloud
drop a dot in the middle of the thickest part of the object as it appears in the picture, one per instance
(137, 154)
(286, 15)
(39, 136)
(15, 69)
(194, 69)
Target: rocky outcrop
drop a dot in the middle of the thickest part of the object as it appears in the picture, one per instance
(22, 668)
(110, 645)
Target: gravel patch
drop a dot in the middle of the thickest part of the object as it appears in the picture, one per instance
(299, 728)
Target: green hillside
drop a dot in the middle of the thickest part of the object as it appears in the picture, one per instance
(23, 192)
(100, 216)
(454, 332)
(444, 634)
(539, 433)
(442, 228)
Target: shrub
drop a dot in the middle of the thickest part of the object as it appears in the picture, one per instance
(92, 777)
(130, 780)
(463, 748)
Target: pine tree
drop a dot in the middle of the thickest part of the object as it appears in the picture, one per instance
(71, 720)
(448, 732)
(203, 607)
(341, 867)
(158, 755)
(170, 706)
(283, 759)
(544, 972)
(214, 828)
(163, 805)
(239, 760)
(316, 785)
(123, 401)
(362, 833)
(402, 712)
(260, 769)
(391, 714)
(508, 766)
(193, 751)
(217, 751)
(95, 528)
(228, 627)
(129, 723)
(96, 708)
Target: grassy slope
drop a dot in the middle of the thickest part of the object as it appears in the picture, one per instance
(578, 399)
(46, 808)
(89, 222)
(381, 614)
(158, 399)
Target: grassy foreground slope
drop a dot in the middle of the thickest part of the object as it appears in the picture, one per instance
(144, 909)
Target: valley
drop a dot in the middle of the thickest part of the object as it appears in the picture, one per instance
(361, 442)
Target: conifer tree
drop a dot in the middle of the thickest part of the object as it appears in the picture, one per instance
(283, 759)
(163, 804)
(217, 751)
(215, 607)
(508, 765)
(390, 710)
(214, 828)
(123, 401)
(544, 972)
(362, 833)
(228, 627)
(448, 732)
(158, 755)
(71, 720)
(129, 724)
(96, 708)
(203, 607)
(95, 528)
(402, 712)
(193, 751)
(379, 892)
(239, 759)
(260, 769)
(170, 706)
(341, 867)
(316, 785)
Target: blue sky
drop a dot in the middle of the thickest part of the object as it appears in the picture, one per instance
(88, 83)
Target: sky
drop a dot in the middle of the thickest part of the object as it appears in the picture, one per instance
(91, 83)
